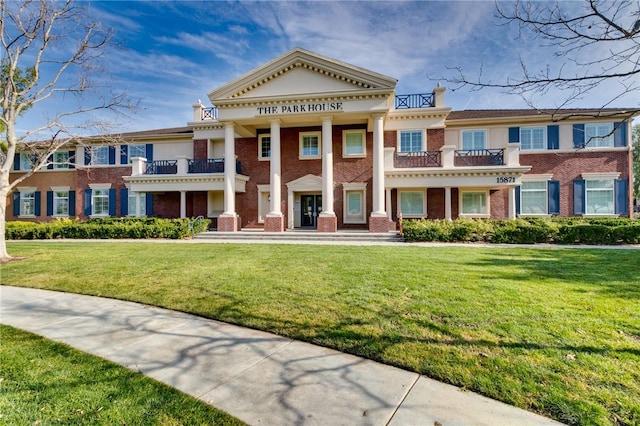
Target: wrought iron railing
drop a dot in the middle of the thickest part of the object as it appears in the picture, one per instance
(162, 167)
(210, 113)
(419, 100)
(418, 159)
(206, 165)
(479, 157)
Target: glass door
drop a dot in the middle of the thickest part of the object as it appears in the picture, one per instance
(311, 208)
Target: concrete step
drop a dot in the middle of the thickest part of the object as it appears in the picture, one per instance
(301, 236)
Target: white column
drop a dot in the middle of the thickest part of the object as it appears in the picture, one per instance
(447, 202)
(327, 167)
(378, 166)
(276, 176)
(512, 202)
(229, 171)
(388, 204)
(139, 203)
(183, 204)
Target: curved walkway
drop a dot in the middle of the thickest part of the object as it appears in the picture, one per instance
(258, 377)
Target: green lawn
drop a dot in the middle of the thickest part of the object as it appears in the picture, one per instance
(555, 331)
(47, 383)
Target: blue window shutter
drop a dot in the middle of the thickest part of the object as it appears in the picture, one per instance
(50, 161)
(514, 134)
(578, 135)
(553, 137)
(72, 203)
(622, 202)
(579, 188)
(620, 134)
(553, 195)
(124, 202)
(49, 203)
(16, 203)
(112, 155)
(517, 200)
(87, 155)
(112, 202)
(87, 202)
(72, 159)
(37, 200)
(124, 154)
(16, 162)
(149, 203)
(149, 152)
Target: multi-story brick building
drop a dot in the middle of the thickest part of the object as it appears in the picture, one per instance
(317, 143)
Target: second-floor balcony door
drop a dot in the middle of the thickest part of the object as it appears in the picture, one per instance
(311, 208)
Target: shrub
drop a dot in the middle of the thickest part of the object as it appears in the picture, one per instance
(106, 228)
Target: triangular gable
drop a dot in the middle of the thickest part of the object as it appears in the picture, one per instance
(300, 72)
(305, 183)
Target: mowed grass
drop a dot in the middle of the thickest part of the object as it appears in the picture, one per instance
(554, 331)
(47, 383)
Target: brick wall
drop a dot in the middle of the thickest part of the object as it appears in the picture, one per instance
(200, 149)
(96, 175)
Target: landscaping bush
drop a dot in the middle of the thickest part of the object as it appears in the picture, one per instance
(574, 230)
(106, 228)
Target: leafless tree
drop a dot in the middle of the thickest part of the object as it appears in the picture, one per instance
(594, 41)
(51, 52)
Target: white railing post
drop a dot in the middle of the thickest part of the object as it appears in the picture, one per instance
(448, 156)
(512, 154)
(138, 166)
(197, 111)
(183, 165)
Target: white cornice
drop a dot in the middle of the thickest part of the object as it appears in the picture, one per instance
(304, 98)
(458, 172)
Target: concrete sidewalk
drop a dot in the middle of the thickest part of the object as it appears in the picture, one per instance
(258, 377)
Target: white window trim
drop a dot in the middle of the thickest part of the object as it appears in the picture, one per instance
(354, 187)
(474, 215)
(546, 201)
(260, 137)
(27, 189)
(301, 136)
(95, 186)
(462, 132)
(590, 140)
(544, 139)
(424, 203)
(262, 189)
(398, 138)
(364, 143)
(143, 201)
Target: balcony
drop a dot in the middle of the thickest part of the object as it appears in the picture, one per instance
(449, 158)
(419, 100)
(204, 165)
(182, 174)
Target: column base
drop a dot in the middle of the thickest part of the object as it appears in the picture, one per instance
(380, 223)
(274, 223)
(228, 223)
(327, 223)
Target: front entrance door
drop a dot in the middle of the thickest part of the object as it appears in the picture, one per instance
(311, 208)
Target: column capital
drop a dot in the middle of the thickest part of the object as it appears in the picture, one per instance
(275, 121)
(327, 118)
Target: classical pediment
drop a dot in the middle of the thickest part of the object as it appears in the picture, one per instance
(299, 73)
(305, 183)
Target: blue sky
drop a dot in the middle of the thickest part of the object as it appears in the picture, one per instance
(170, 54)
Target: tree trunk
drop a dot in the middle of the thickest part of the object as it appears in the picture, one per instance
(4, 255)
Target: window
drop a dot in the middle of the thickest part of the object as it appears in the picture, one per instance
(533, 198)
(599, 135)
(310, 145)
(131, 203)
(532, 138)
(61, 160)
(354, 202)
(264, 147)
(353, 143)
(138, 150)
(27, 161)
(99, 155)
(60, 203)
(474, 203)
(473, 139)
(27, 203)
(411, 141)
(412, 203)
(599, 197)
(100, 202)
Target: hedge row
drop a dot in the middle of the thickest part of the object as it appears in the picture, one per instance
(601, 231)
(107, 228)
